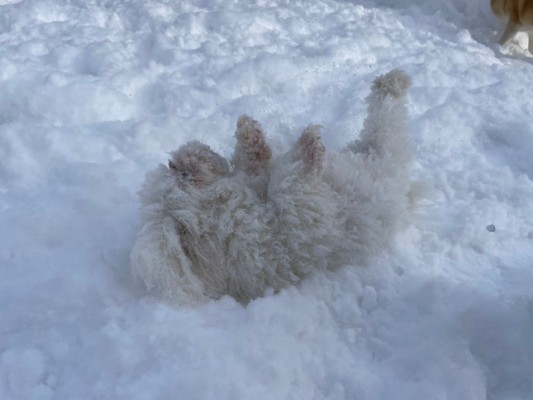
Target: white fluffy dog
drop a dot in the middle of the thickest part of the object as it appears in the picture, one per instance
(214, 228)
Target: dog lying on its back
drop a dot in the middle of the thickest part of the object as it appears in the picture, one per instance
(519, 17)
(215, 228)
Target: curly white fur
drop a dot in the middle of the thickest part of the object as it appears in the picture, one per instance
(267, 223)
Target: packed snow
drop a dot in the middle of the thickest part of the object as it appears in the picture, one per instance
(94, 94)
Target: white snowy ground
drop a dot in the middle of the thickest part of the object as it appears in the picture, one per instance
(94, 93)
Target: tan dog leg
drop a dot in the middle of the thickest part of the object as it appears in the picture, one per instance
(509, 32)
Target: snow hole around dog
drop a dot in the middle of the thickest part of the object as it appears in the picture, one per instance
(95, 94)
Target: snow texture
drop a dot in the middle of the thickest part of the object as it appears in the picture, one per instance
(93, 94)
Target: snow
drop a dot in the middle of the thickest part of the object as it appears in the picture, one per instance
(93, 94)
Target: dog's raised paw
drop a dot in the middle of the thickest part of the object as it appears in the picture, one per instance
(196, 164)
(252, 153)
(311, 149)
(395, 83)
(249, 132)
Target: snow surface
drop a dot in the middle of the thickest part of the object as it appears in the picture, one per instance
(93, 94)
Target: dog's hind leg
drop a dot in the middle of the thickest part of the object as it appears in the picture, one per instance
(373, 184)
(385, 133)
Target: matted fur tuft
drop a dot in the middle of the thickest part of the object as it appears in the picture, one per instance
(269, 222)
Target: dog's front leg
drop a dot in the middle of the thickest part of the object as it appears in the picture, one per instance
(252, 153)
